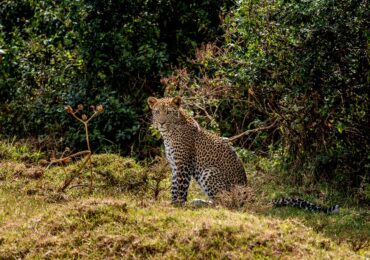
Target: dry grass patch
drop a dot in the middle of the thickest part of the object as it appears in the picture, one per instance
(243, 199)
(129, 216)
(114, 228)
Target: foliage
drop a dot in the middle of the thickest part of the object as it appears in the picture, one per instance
(292, 61)
(94, 52)
(297, 62)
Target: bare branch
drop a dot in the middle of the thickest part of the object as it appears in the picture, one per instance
(77, 173)
(233, 138)
(67, 158)
(205, 111)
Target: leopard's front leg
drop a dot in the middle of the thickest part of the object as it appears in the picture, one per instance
(180, 184)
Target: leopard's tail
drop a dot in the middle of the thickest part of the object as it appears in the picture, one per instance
(303, 204)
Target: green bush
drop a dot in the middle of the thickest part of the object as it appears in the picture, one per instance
(92, 52)
(302, 62)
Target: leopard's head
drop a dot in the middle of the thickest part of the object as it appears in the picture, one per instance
(166, 112)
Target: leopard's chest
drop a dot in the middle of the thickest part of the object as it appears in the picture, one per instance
(170, 154)
(178, 150)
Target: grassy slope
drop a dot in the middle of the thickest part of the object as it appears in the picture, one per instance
(121, 218)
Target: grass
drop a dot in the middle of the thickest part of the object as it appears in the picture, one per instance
(12, 150)
(128, 215)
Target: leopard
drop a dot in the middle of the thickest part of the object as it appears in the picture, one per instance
(195, 153)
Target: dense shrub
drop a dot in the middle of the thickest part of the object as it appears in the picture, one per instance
(305, 63)
(90, 52)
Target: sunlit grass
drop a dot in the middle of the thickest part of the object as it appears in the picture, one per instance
(11, 150)
(122, 218)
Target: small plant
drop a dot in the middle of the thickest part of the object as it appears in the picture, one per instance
(160, 171)
(84, 119)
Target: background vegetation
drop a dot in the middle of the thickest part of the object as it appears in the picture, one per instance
(93, 51)
(297, 62)
(240, 65)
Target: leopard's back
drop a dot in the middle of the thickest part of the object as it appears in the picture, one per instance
(214, 153)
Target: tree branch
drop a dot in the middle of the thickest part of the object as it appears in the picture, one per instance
(233, 138)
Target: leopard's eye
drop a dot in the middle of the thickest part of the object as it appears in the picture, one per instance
(156, 112)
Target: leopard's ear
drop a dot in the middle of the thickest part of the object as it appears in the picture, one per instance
(152, 101)
(177, 101)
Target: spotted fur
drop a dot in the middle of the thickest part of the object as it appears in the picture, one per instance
(302, 204)
(192, 152)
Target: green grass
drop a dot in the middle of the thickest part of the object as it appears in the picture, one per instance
(12, 150)
(128, 215)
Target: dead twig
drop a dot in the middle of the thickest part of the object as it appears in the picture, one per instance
(233, 138)
(87, 153)
(68, 181)
(67, 159)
